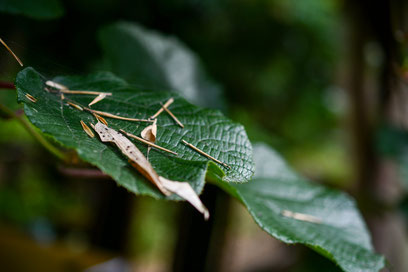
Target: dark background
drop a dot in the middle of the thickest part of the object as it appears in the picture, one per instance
(322, 81)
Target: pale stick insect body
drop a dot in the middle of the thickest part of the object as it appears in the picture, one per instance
(136, 158)
(140, 162)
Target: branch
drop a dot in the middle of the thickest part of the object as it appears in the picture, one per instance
(7, 85)
(83, 173)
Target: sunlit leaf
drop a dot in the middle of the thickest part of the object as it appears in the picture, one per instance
(207, 129)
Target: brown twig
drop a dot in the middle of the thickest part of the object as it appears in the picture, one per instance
(83, 92)
(100, 119)
(173, 116)
(83, 172)
(31, 98)
(147, 142)
(87, 129)
(205, 154)
(12, 53)
(110, 115)
(64, 89)
(78, 107)
(168, 103)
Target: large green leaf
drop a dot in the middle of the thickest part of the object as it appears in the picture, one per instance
(38, 9)
(341, 236)
(207, 129)
(151, 59)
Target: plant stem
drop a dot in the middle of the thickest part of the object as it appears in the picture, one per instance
(7, 85)
(58, 153)
(87, 173)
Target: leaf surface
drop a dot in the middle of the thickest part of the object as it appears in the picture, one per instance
(209, 130)
(341, 234)
(151, 59)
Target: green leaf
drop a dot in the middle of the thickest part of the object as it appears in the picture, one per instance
(207, 129)
(340, 236)
(38, 9)
(151, 59)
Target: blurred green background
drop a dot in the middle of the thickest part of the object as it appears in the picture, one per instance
(287, 73)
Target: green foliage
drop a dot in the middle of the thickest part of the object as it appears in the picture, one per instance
(209, 130)
(148, 62)
(38, 9)
(150, 59)
(341, 235)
